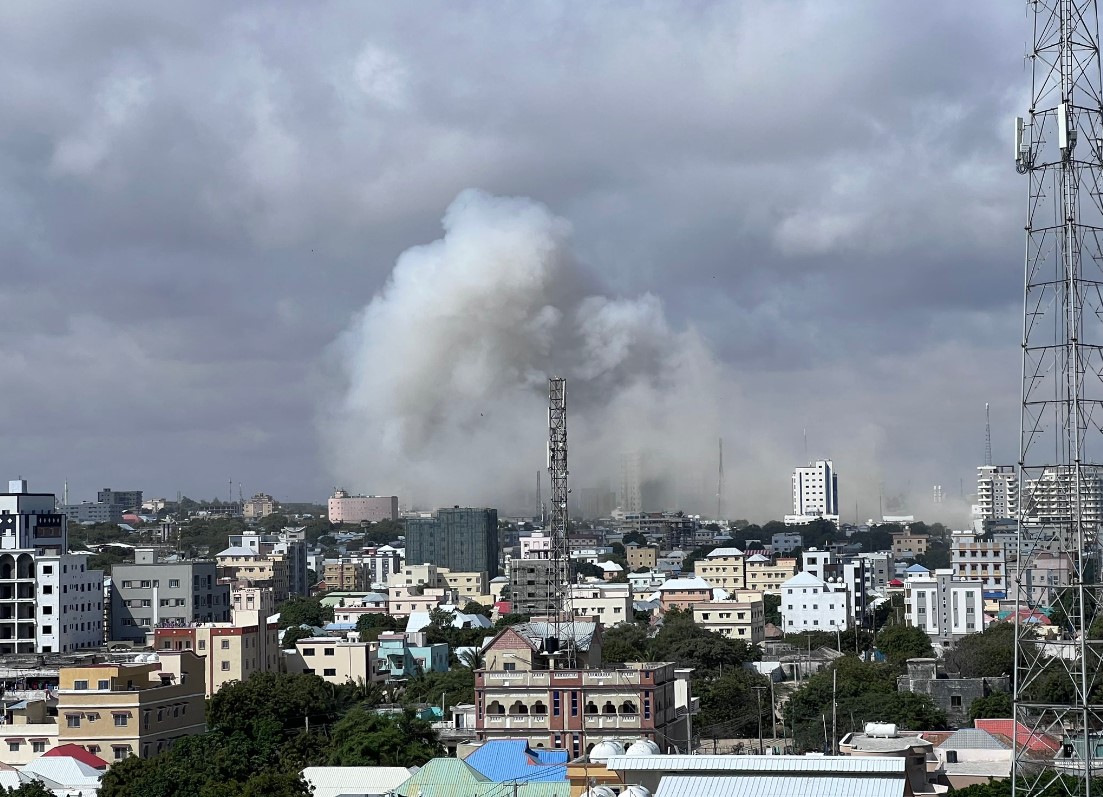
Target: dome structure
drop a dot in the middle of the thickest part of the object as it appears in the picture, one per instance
(643, 747)
(634, 791)
(603, 751)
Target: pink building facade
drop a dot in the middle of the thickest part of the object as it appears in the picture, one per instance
(345, 508)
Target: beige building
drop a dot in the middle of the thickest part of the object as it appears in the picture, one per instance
(684, 593)
(742, 617)
(344, 575)
(260, 570)
(338, 661)
(29, 731)
(723, 567)
(402, 601)
(906, 545)
(766, 576)
(468, 586)
(609, 603)
(119, 710)
(641, 556)
(260, 505)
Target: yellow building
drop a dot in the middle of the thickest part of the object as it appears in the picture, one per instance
(641, 556)
(767, 576)
(245, 565)
(29, 731)
(469, 586)
(117, 710)
(742, 617)
(338, 661)
(722, 567)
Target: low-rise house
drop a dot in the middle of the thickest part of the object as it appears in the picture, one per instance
(741, 617)
(971, 755)
(684, 593)
(338, 661)
(954, 695)
(609, 603)
(886, 742)
(404, 656)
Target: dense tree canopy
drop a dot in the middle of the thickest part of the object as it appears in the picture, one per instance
(34, 788)
(366, 739)
(370, 626)
(288, 701)
(902, 642)
(298, 610)
(984, 655)
(730, 705)
(994, 706)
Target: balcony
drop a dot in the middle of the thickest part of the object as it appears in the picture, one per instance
(611, 722)
(516, 721)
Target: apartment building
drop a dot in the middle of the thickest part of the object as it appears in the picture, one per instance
(641, 556)
(611, 604)
(1049, 499)
(345, 575)
(403, 600)
(151, 593)
(946, 607)
(346, 508)
(537, 545)
(50, 600)
(350, 609)
(467, 586)
(997, 492)
(261, 505)
(380, 563)
(532, 583)
(815, 493)
(982, 560)
(811, 604)
(1043, 577)
(290, 543)
(575, 709)
(766, 575)
(908, 545)
(338, 661)
(139, 708)
(684, 593)
(785, 542)
(741, 617)
(725, 568)
(247, 566)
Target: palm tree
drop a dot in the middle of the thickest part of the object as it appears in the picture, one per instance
(472, 658)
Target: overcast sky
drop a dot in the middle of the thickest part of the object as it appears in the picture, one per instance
(197, 199)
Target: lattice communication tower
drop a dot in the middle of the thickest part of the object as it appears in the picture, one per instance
(559, 577)
(1058, 699)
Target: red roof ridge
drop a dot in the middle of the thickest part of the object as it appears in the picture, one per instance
(77, 752)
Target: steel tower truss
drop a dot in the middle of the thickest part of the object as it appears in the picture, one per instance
(559, 598)
(1058, 689)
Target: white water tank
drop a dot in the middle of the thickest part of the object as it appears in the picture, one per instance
(635, 791)
(603, 751)
(643, 747)
(599, 791)
(884, 730)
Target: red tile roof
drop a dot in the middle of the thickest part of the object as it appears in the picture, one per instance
(79, 753)
(1035, 741)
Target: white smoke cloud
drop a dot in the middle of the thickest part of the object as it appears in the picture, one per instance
(443, 396)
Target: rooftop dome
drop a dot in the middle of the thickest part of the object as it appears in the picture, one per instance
(641, 748)
(635, 791)
(603, 751)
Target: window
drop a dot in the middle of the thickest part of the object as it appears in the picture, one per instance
(103, 684)
(509, 666)
(121, 751)
(72, 720)
(80, 684)
(225, 666)
(225, 644)
(121, 720)
(38, 747)
(49, 569)
(330, 671)
(174, 583)
(955, 701)
(308, 651)
(328, 651)
(202, 644)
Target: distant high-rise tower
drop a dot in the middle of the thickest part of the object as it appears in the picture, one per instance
(997, 492)
(815, 493)
(629, 494)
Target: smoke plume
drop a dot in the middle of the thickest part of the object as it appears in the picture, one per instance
(443, 383)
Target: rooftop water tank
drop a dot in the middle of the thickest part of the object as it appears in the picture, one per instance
(643, 747)
(884, 730)
(603, 751)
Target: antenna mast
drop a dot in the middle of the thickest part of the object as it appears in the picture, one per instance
(559, 597)
(987, 436)
(720, 485)
(1059, 147)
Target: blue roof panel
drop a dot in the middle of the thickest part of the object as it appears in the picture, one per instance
(504, 760)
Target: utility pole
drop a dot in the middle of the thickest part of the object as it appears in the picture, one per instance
(758, 693)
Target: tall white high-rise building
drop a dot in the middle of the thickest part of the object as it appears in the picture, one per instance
(50, 601)
(815, 493)
(1050, 500)
(630, 494)
(997, 492)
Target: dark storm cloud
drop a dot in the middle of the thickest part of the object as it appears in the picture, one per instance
(195, 200)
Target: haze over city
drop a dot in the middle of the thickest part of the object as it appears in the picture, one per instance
(306, 246)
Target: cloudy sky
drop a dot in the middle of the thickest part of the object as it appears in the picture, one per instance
(197, 200)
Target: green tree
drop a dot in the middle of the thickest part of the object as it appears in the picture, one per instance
(683, 641)
(984, 655)
(771, 606)
(623, 643)
(730, 705)
(298, 610)
(994, 706)
(277, 784)
(293, 635)
(33, 788)
(511, 618)
(268, 701)
(368, 739)
(902, 642)
(474, 607)
(634, 538)
(450, 688)
(370, 626)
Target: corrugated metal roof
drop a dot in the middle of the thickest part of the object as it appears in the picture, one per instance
(64, 770)
(511, 759)
(442, 777)
(757, 763)
(335, 781)
(774, 786)
(973, 739)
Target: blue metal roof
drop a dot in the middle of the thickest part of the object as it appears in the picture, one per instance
(504, 760)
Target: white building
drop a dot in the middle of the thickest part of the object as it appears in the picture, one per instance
(997, 492)
(741, 617)
(785, 542)
(609, 603)
(50, 601)
(815, 493)
(1047, 500)
(945, 607)
(537, 545)
(811, 604)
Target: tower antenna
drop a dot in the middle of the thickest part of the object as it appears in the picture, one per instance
(560, 608)
(720, 484)
(1059, 147)
(987, 436)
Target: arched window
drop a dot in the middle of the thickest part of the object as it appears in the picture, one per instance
(628, 707)
(609, 708)
(495, 708)
(539, 708)
(591, 707)
(518, 708)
